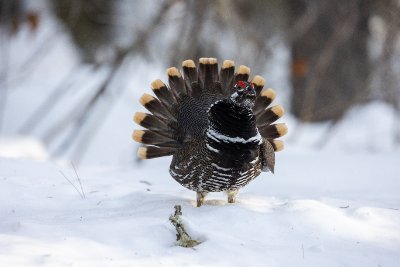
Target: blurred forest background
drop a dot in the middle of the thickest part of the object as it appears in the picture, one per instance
(70, 61)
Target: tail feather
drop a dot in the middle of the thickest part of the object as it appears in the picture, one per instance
(190, 74)
(276, 144)
(149, 137)
(153, 105)
(176, 82)
(242, 74)
(196, 89)
(150, 122)
(264, 100)
(208, 72)
(218, 89)
(149, 152)
(162, 92)
(226, 76)
(273, 131)
(270, 115)
(267, 156)
(258, 82)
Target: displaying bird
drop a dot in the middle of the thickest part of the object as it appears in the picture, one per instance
(216, 125)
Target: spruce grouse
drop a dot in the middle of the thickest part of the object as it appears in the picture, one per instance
(216, 124)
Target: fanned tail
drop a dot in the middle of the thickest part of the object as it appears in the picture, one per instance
(179, 111)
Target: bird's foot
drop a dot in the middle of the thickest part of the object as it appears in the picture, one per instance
(232, 195)
(200, 198)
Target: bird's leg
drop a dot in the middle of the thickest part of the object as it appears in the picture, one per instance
(232, 195)
(200, 198)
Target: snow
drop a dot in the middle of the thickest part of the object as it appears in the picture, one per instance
(321, 208)
(22, 147)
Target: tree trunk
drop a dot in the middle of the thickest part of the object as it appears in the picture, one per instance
(90, 25)
(330, 66)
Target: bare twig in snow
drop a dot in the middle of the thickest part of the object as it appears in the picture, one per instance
(77, 190)
(80, 192)
(145, 182)
(79, 179)
(182, 237)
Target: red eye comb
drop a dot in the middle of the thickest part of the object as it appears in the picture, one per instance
(241, 84)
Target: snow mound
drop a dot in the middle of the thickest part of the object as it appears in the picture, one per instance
(371, 127)
(22, 147)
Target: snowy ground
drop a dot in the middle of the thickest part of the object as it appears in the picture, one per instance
(319, 209)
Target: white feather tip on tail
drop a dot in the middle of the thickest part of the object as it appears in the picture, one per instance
(206, 60)
(212, 60)
(243, 70)
(188, 63)
(142, 153)
(278, 110)
(278, 145)
(139, 117)
(281, 128)
(137, 135)
(228, 64)
(145, 98)
(270, 93)
(173, 72)
(157, 84)
(258, 80)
